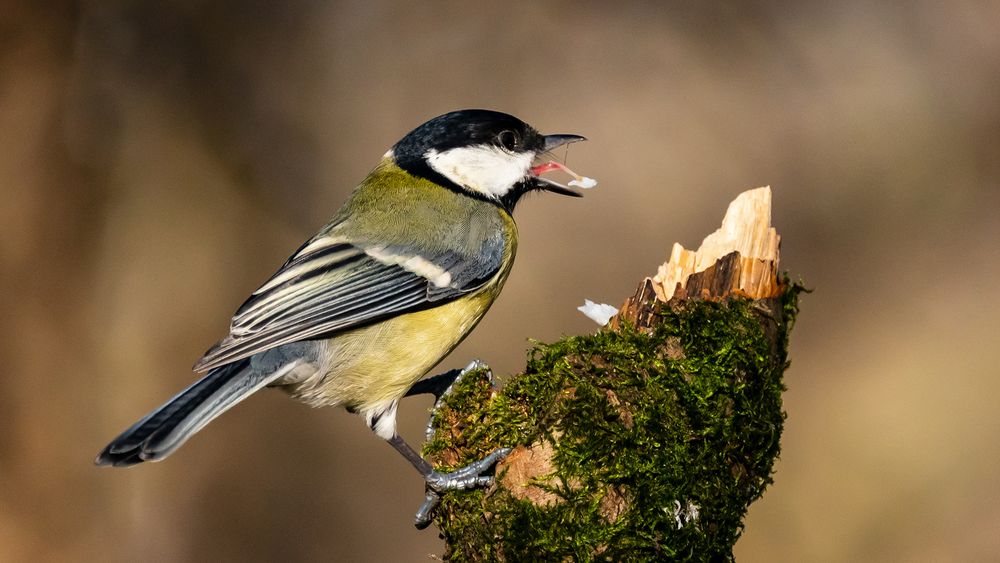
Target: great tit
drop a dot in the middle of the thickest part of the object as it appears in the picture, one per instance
(365, 308)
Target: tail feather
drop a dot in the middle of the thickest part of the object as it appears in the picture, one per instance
(162, 431)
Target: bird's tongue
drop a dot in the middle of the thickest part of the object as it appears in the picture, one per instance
(548, 167)
(578, 180)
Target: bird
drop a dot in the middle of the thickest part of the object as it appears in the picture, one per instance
(363, 310)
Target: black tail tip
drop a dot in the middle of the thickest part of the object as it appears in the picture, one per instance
(111, 458)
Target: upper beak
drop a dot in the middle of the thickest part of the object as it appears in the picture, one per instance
(556, 141)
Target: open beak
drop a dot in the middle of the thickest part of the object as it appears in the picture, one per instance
(553, 142)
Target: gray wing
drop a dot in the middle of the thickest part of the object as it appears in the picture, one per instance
(331, 285)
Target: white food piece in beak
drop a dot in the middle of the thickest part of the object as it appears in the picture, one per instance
(578, 180)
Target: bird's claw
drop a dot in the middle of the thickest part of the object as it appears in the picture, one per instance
(423, 517)
(468, 477)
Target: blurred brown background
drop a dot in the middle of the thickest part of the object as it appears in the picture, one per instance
(158, 161)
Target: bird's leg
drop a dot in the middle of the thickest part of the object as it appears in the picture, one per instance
(438, 482)
(436, 384)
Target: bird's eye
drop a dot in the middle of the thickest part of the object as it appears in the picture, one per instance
(509, 140)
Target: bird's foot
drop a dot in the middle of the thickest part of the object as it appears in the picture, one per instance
(468, 477)
(445, 388)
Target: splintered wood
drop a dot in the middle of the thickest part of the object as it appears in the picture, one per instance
(746, 229)
(740, 258)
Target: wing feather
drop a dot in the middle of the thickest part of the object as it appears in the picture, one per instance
(332, 285)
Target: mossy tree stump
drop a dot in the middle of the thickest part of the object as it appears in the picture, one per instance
(645, 441)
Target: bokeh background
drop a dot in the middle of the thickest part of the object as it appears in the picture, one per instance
(159, 160)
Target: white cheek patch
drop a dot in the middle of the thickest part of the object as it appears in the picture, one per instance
(488, 170)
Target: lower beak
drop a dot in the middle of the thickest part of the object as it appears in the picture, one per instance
(554, 187)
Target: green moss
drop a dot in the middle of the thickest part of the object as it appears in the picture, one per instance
(640, 422)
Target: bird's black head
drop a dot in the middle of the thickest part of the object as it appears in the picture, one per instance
(481, 153)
